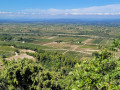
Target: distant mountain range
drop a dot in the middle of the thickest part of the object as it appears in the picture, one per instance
(73, 21)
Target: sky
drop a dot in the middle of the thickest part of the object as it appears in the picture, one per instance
(43, 9)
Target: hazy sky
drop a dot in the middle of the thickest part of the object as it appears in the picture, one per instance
(59, 8)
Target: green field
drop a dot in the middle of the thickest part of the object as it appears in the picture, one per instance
(6, 51)
(71, 37)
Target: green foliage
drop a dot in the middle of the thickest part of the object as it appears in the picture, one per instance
(64, 73)
(116, 43)
(26, 75)
(104, 54)
(56, 61)
(101, 73)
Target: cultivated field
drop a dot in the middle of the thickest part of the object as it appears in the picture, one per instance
(75, 40)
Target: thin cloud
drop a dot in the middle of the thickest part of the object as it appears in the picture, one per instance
(113, 9)
(96, 10)
(5, 12)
